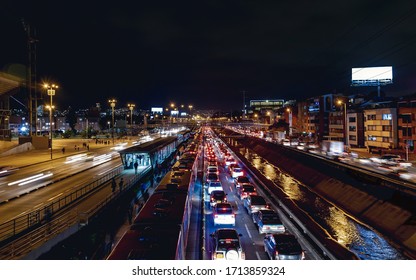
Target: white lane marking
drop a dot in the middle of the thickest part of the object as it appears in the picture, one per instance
(105, 171)
(52, 198)
(37, 206)
(258, 255)
(249, 235)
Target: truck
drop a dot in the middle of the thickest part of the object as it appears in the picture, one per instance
(332, 148)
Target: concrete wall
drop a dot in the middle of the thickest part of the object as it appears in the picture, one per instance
(375, 205)
(18, 149)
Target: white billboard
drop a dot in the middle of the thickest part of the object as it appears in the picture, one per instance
(372, 75)
(157, 109)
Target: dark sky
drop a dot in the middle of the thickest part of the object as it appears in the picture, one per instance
(206, 53)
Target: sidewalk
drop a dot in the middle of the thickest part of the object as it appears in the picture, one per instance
(41, 155)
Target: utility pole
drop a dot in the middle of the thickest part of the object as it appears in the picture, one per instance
(31, 75)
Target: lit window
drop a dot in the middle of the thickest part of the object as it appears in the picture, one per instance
(387, 117)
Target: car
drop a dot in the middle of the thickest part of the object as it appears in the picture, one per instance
(241, 180)
(385, 158)
(283, 246)
(401, 163)
(246, 190)
(212, 169)
(6, 170)
(211, 177)
(212, 163)
(223, 214)
(236, 171)
(268, 221)
(217, 197)
(227, 245)
(230, 160)
(254, 203)
(214, 186)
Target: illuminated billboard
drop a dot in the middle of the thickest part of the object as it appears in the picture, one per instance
(372, 76)
(157, 109)
(174, 113)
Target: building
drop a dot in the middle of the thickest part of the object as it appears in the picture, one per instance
(355, 131)
(380, 126)
(406, 123)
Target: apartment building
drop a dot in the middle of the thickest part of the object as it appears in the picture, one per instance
(355, 129)
(380, 126)
(406, 122)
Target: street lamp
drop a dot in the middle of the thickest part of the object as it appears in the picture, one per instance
(131, 107)
(345, 120)
(51, 92)
(112, 104)
(290, 120)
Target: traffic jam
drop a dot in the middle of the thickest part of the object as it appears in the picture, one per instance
(240, 223)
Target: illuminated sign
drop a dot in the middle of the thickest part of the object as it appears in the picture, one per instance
(157, 109)
(371, 76)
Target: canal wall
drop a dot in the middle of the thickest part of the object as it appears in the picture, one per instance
(387, 210)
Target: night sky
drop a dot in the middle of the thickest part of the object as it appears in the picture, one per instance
(205, 53)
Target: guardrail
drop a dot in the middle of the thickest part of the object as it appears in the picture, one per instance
(290, 213)
(63, 220)
(35, 218)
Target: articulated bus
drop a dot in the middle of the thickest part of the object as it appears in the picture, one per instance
(160, 229)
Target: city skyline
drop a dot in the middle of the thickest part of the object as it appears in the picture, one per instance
(208, 54)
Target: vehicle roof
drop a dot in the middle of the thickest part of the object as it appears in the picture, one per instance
(218, 193)
(287, 243)
(147, 242)
(227, 233)
(242, 178)
(257, 199)
(267, 212)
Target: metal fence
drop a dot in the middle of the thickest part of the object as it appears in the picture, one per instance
(50, 227)
(37, 217)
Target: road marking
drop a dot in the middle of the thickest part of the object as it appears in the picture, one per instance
(37, 206)
(249, 235)
(258, 255)
(55, 196)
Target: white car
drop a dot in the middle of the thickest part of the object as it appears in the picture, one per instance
(223, 214)
(214, 186)
(236, 172)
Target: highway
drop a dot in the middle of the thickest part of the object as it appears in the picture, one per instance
(251, 240)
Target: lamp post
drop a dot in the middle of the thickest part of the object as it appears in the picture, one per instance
(131, 107)
(290, 121)
(51, 92)
(112, 104)
(345, 120)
